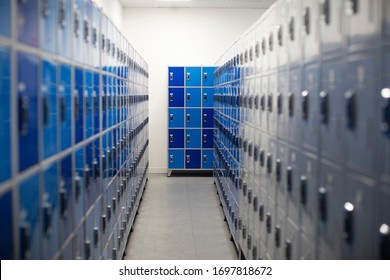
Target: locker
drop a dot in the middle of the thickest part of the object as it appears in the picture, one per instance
(47, 25)
(95, 35)
(78, 104)
(175, 159)
(193, 76)
(208, 76)
(207, 138)
(77, 30)
(65, 106)
(5, 114)
(193, 138)
(88, 104)
(176, 76)
(27, 25)
(29, 219)
(50, 212)
(79, 186)
(176, 118)
(6, 222)
(64, 28)
(5, 15)
(176, 97)
(193, 118)
(207, 159)
(48, 97)
(96, 102)
(28, 110)
(193, 97)
(208, 118)
(207, 97)
(66, 199)
(176, 138)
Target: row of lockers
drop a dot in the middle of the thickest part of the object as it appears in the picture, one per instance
(191, 76)
(76, 30)
(191, 97)
(190, 158)
(191, 138)
(190, 118)
(302, 110)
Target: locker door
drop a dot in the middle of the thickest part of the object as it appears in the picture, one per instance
(66, 199)
(29, 220)
(95, 35)
(208, 118)
(79, 185)
(207, 138)
(6, 226)
(104, 102)
(49, 108)
(208, 76)
(65, 106)
(192, 76)
(176, 118)
(27, 12)
(78, 103)
(77, 28)
(176, 97)
(88, 178)
(193, 159)
(176, 138)
(192, 97)
(64, 27)
(193, 138)
(207, 97)
(28, 110)
(88, 242)
(207, 159)
(86, 32)
(47, 25)
(96, 102)
(5, 115)
(176, 159)
(176, 76)
(193, 118)
(5, 16)
(80, 242)
(88, 104)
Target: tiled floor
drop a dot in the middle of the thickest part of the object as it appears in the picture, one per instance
(180, 218)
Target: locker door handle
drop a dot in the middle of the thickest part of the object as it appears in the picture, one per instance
(277, 236)
(322, 193)
(262, 102)
(63, 201)
(250, 195)
(385, 125)
(188, 118)
(205, 76)
(188, 158)
(87, 249)
(291, 29)
(95, 103)
(348, 222)
(171, 158)
(256, 102)
(262, 157)
(25, 240)
(77, 182)
(76, 23)
(108, 44)
(171, 117)
(114, 253)
(204, 138)
(205, 97)
(188, 76)
(108, 210)
(325, 11)
(47, 216)
(280, 103)
(45, 10)
(289, 179)
(95, 236)
(351, 7)
(261, 212)
(188, 138)
(94, 37)
(324, 107)
(303, 190)
(384, 239)
(24, 105)
(188, 97)
(62, 109)
(87, 177)
(255, 203)
(104, 223)
(170, 97)
(306, 20)
(204, 118)
(46, 110)
(288, 249)
(114, 204)
(170, 76)
(291, 104)
(350, 98)
(249, 242)
(278, 170)
(305, 105)
(103, 43)
(95, 169)
(76, 105)
(269, 163)
(171, 138)
(244, 188)
(269, 223)
(204, 158)
(62, 14)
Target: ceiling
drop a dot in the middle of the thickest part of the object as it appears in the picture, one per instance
(221, 4)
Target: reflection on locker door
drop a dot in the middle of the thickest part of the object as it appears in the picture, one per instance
(66, 199)
(207, 118)
(5, 115)
(192, 96)
(6, 226)
(27, 13)
(176, 76)
(208, 76)
(207, 159)
(5, 18)
(28, 110)
(207, 97)
(193, 159)
(192, 76)
(65, 106)
(176, 118)
(207, 138)
(64, 27)
(78, 105)
(175, 159)
(47, 25)
(193, 118)
(193, 138)
(176, 138)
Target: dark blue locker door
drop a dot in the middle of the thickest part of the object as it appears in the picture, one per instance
(77, 31)
(29, 223)
(176, 138)
(192, 75)
(50, 212)
(207, 138)
(208, 118)
(193, 159)
(104, 103)
(207, 159)
(96, 102)
(109, 101)
(207, 97)
(79, 185)
(88, 104)
(28, 110)
(114, 100)
(208, 76)
(27, 13)
(193, 118)
(176, 97)
(6, 227)
(176, 118)
(66, 209)
(64, 27)
(176, 76)
(5, 18)
(192, 96)
(88, 179)
(49, 108)
(176, 159)
(5, 115)
(78, 105)
(193, 138)
(47, 25)
(65, 106)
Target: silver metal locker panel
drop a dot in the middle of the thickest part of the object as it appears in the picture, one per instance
(280, 175)
(279, 234)
(294, 106)
(281, 102)
(291, 241)
(292, 171)
(310, 30)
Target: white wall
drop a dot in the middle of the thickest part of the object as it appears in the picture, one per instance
(178, 37)
(113, 9)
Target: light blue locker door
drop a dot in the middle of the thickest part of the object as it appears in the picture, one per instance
(29, 220)
(176, 159)
(79, 185)
(176, 118)
(50, 212)
(104, 102)
(65, 106)
(192, 97)
(207, 97)
(109, 101)
(208, 76)
(49, 108)
(88, 102)
(5, 18)
(192, 75)
(28, 110)
(95, 35)
(5, 117)
(193, 138)
(176, 76)
(64, 28)
(66, 199)
(27, 13)
(207, 159)
(78, 96)
(47, 25)
(78, 30)
(6, 226)
(193, 118)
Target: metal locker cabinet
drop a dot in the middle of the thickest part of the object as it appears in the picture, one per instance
(5, 16)
(29, 219)
(176, 76)
(207, 118)
(192, 76)
(50, 212)
(176, 159)
(207, 159)
(193, 159)
(193, 139)
(27, 28)
(88, 104)
(47, 25)
(207, 138)
(66, 199)
(207, 97)
(65, 106)
(64, 28)
(208, 76)
(176, 138)
(192, 97)
(78, 30)
(27, 87)
(96, 102)
(5, 114)
(48, 92)
(79, 185)
(95, 35)
(78, 104)
(6, 223)
(176, 118)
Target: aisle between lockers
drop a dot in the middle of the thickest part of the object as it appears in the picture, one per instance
(180, 218)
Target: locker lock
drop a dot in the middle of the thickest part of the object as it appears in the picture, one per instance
(384, 239)
(269, 163)
(104, 223)
(62, 109)
(306, 20)
(261, 212)
(188, 117)
(257, 49)
(325, 11)
(47, 215)
(250, 195)
(351, 7)
(254, 252)
(95, 236)
(205, 76)
(62, 14)
(87, 173)
(188, 138)
(385, 125)
(244, 188)
(171, 117)
(324, 107)
(262, 157)
(77, 182)
(244, 232)
(269, 105)
(170, 97)
(263, 46)
(171, 138)
(303, 180)
(204, 158)
(76, 17)
(291, 29)
(63, 194)
(278, 170)
(86, 31)
(305, 105)
(188, 96)
(25, 238)
(170, 76)
(205, 97)
(87, 249)
(24, 105)
(348, 222)
(269, 222)
(255, 203)
(289, 179)
(188, 158)
(288, 249)
(291, 104)
(204, 138)
(45, 11)
(205, 118)
(280, 35)
(271, 42)
(188, 76)
(350, 98)
(249, 242)
(277, 236)
(280, 103)
(262, 102)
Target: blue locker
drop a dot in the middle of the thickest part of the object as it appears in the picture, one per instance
(65, 106)
(66, 199)
(47, 25)
(192, 96)
(95, 35)
(77, 27)
(193, 138)
(28, 110)
(114, 95)
(96, 172)
(88, 104)
(89, 181)
(176, 76)
(64, 28)
(192, 159)
(79, 185)
(176, 118)
(193, 118)
(207, 97)
(96, 102)
(6, 226)
(109, 100)
(192, 75)
(29, 223)
(78, 103)
(27, 24)
(5, 115)
(176, 159)
(176, 138)
(208, 118)
(208, 76)
(207, 159)
(176, 97)
(104, 102)
(49, 144)
(5, 18)
(50, 212)
(207, 138)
